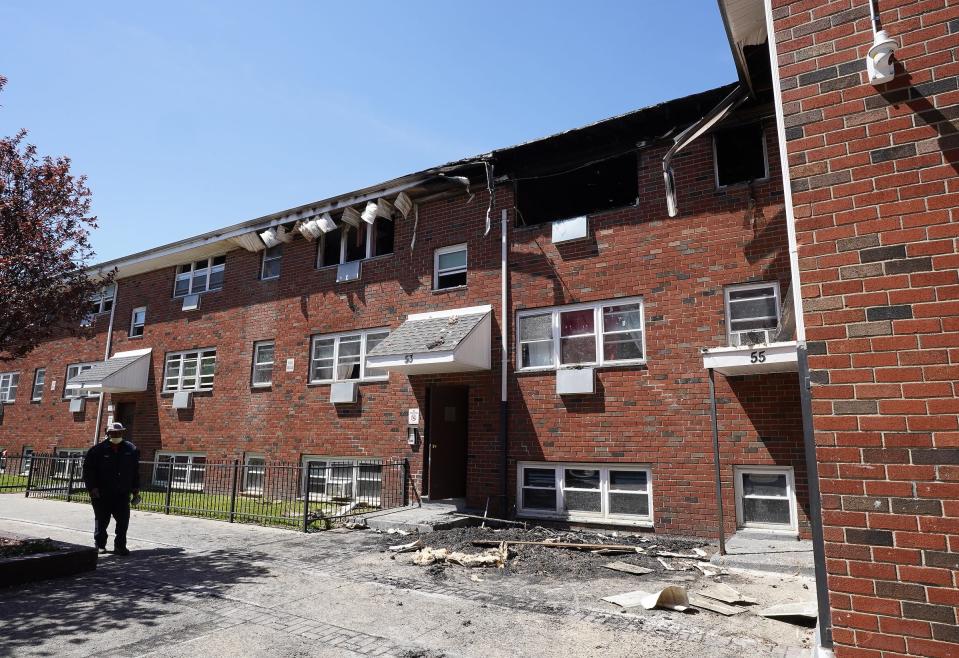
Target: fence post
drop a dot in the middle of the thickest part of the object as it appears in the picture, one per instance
(406, 482)
(169, 485)
(236, 470)
(306, 496)
(70, 480)
(26, 494)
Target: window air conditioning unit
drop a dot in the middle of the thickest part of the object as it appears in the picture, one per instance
(575, 381)
(77, 405)
(565, 230)
(182, 400)
(343, 393)
(191, 302)
(752, 337)
(348, 272)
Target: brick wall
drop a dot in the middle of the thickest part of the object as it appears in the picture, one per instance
(874, 171)
(657, 414)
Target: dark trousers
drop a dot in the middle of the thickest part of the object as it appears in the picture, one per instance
(116, 505)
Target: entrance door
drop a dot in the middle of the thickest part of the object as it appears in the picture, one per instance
(446, 431)
(124, 414)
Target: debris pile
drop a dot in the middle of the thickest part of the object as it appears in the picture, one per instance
(493, 557)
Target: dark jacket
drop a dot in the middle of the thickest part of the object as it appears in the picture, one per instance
(112, 471)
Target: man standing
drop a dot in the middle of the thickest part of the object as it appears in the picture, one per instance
(111, 472)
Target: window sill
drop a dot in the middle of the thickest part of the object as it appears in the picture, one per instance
(171, 393)
(330, 382)
(605, 366)
(261, 387)
(638, 522)
(205, 292)
(438, 291)
(129, 337)
(320, 268)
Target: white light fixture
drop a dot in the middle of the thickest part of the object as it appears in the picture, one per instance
(403, 203)
(879, 64)
(351, 217)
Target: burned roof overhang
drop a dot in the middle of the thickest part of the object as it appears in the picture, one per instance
(607, 138)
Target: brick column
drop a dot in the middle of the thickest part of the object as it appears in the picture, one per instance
(876, 195)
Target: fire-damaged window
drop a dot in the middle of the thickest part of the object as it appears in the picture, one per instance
(346, 243)
(739, 155)
(580, 190)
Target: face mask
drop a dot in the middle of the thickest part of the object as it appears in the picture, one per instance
(115, 439)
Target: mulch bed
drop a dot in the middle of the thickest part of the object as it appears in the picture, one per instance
(12, 547)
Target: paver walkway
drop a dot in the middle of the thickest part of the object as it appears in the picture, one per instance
(196, 587)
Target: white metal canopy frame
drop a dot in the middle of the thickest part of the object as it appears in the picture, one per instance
(124, 372)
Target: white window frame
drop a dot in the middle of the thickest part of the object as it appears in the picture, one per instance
(26, 459)
(134, 325)
(277, 257)
(556, 311)
(364, 334)
(201, 353)
(39, 380)
(370, 244)
(247, 487)
(194, 270)
(354, 463)
(104, 298)
(262, 364)
(78, 392)
(61, 465)
(442, 251)
(188, 470)
(765, 177)
(739, 471)
(604, 516)
(751, 286)
(9, 383)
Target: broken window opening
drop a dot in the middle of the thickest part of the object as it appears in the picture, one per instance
(739, 155)
(597, 187)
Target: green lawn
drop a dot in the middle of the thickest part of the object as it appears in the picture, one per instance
(248, 509)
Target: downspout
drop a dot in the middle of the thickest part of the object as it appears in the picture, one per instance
(504, 358)
(688, 136)
(106, 356)
(717, 465)
(809, 438)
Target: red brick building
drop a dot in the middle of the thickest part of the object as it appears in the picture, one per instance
(871, 147)
(613, 305)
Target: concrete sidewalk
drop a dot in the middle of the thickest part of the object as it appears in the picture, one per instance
(197, 587)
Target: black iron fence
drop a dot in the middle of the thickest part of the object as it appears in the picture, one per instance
(315, 494)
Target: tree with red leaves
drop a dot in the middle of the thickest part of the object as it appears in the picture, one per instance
(45, 253)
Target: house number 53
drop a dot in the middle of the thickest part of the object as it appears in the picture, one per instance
(757, 356)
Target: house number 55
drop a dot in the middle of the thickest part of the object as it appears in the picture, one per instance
(758, 356)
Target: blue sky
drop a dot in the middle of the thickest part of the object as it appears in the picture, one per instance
(190, 116)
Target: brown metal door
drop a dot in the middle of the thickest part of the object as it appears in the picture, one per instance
(446, 431)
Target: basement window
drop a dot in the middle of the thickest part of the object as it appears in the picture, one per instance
(65, 459)
(254, 468)
(608, 493)
(765, 498)
(739, 155)
(344, 479)
(579, 190)
(187, 469)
